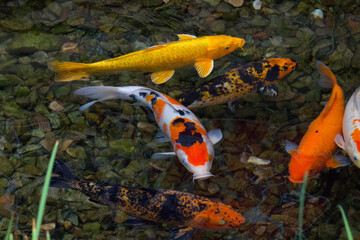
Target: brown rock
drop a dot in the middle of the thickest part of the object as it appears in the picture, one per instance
(354, 24)
(69, 47)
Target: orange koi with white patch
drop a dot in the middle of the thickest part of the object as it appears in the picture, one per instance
(351, 129)
(317, 147)
(161, 60)
(192, 144)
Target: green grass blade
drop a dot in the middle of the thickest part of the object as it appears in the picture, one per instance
(301, 207)
(346, 223)
(45, 192)
(8, 232)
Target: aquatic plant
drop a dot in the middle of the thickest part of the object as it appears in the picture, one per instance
(347, 227)
(44, 193)
(301, 207)
(8, 235)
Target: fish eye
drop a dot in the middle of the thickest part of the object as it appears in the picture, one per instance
(356, 158)
(227, 47)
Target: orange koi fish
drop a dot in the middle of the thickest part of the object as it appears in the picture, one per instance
(192, 144)
(238, 82)
(189, 211)
(351, 129)
(317, 148)
(161, 60)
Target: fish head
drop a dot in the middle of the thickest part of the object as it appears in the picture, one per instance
(221, 45)
(217, 216)
(353, 152)
(197, 157)
(282, 66)
(298, 166)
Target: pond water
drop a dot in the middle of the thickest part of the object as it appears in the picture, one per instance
(114, 140)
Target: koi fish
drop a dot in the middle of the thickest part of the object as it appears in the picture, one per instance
(351, 126)
(161, 60)
(192, 144)
(189, 211)
(317, 147)
(236, 83)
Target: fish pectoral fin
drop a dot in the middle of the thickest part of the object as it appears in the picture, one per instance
(185, 36)
(338, 160)
(161, 137)
(339, 140)
(163, 155)
(181, 233)
(162, 77)
(215, 135)
(204, 68)
(138, 223)
(290, 147)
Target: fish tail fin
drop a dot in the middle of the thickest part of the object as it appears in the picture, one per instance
(65, 178)
(70, 71)
(327, 79)
(101, 93)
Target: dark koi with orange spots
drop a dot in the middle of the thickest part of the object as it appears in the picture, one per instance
(192, 144)
(238, 82)
(189, 211)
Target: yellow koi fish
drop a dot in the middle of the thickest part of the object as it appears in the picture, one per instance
(161, 60)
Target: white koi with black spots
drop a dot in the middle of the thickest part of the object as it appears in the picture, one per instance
(192, 144)
(351, 129)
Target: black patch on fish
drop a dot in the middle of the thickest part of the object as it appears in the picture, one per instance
(112, 194)
(154, 93)
(132, 96)
(153, 101)
(273, 73)
(169, 209)
(143, 94)
(186, 138)
(258, 66)
(181, 112)
(246, 77)
(190, 126)
(178, 120)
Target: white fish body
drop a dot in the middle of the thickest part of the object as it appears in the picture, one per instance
(192, 144)
(351, 129)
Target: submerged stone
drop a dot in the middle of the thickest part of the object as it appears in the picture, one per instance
(30, 42)
(9, 80)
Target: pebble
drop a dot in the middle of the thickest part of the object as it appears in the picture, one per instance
(235, 3)
(56, 106)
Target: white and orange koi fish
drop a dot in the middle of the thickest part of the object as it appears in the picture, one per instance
(192, 144)
(351, 129)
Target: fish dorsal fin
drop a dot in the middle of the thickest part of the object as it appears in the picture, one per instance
(205, 67)
(162, 77)
(185, 36)
(215, 135)
(182, 233)
(290, 147)
(339, 140)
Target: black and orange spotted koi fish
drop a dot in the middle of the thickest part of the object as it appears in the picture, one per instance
(185, 210)
(238, 82)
